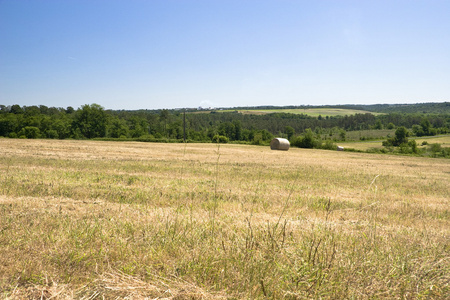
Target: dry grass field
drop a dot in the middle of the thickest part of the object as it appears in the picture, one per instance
(125, 220)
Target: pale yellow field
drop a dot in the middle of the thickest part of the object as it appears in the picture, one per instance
(443, 140)
(125, 220)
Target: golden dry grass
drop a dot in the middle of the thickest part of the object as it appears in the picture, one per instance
(86, 220)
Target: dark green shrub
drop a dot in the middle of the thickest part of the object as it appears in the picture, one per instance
(401, 137)
(220, 139)
(328, 145)
(342, 134)
(52, 134)
(390, 126)
(146, 138)
(296, 141)
(308, 140)
(435, 149)
(30, 132)
(413, 145)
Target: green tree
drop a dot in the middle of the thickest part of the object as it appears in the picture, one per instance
(378, 125)
(138, 126)
(413, 145)
(118, 128)
(418, 130)
(227, 129)
(43, 109)
(289, 132)
(305, 141)
(91, 121)
(426, 126)
(390, 126)
(237, 130)
(30, 132)
(266, 135)
(70, 110)
(308, 139)
(32, 110)
(401, 137)
(51, 134)
(342, 134)
(164, 117)
(8, 124)
(16, 109)
(62, 126)
(175, 130)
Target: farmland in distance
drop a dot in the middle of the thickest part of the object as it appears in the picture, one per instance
(443, 140)
(91, 219)
(313, 112)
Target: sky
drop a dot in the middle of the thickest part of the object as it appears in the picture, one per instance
(136, 54)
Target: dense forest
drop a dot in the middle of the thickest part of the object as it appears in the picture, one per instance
(91, 121)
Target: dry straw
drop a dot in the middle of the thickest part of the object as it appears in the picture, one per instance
(279, 144)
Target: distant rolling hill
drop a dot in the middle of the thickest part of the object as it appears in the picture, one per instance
(313, 112)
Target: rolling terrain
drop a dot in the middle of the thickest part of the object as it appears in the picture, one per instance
(313, 112)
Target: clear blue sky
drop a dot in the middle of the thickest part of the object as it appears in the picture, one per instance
(136, 54)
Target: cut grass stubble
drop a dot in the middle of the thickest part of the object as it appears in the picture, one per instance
(220, 222)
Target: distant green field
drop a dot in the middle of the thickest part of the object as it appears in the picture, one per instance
(314, 112)
(443, 140)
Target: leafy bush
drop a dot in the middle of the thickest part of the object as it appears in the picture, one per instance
(342, 134)
(220, 139)
(436, 150)
(52, 134)
(309, 141)
(30, 132)
(413, 145)
(146, 138)
(328, 145)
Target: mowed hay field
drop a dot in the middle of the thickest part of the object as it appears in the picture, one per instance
(115, 220)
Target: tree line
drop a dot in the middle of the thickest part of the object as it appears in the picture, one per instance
(91, 121)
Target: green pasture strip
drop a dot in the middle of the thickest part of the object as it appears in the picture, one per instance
(313, 112)
(363, 146)
(370, 134)
(444, 140)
